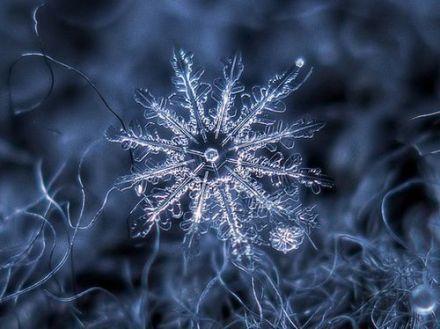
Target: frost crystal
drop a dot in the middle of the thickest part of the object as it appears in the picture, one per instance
(225, 166)
(286, 239)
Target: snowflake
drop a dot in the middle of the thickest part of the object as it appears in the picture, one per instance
(221, 166)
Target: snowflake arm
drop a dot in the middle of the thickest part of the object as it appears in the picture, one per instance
(310, 177)
(201, 200)
(158, 108)
(227, 87)
(154, 173)
(278, 134)
(136, 137)
(268, 99)
(176, 192)
(253, 190)
(230, 227)
(198, 206)
(191, 93)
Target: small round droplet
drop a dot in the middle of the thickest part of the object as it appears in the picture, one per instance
(423, 300)
(300, 62)
(211, 155)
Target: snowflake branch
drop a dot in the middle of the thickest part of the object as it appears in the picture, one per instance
(307, 176)
(281, 134)
(252, 190)
(201, 198)
(175, 194)
(131, 139)
(157, 172)
(197, 209)
(228, 88)
(228, 205)
(187, 83)
(269, 98)
(144, 98)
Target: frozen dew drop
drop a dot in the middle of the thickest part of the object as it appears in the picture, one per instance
(300, 62)
(423, 300)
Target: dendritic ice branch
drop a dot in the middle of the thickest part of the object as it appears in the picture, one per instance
(213, 156)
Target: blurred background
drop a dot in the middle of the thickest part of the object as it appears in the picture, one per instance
(376, 79)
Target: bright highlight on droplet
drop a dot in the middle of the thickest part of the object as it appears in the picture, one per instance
(300, 62)
(140, 189)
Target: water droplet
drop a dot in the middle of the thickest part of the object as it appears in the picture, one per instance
(423, 300)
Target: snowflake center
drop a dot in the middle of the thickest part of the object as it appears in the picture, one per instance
(211, 155)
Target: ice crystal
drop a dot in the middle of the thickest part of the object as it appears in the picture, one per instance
(220, 165)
